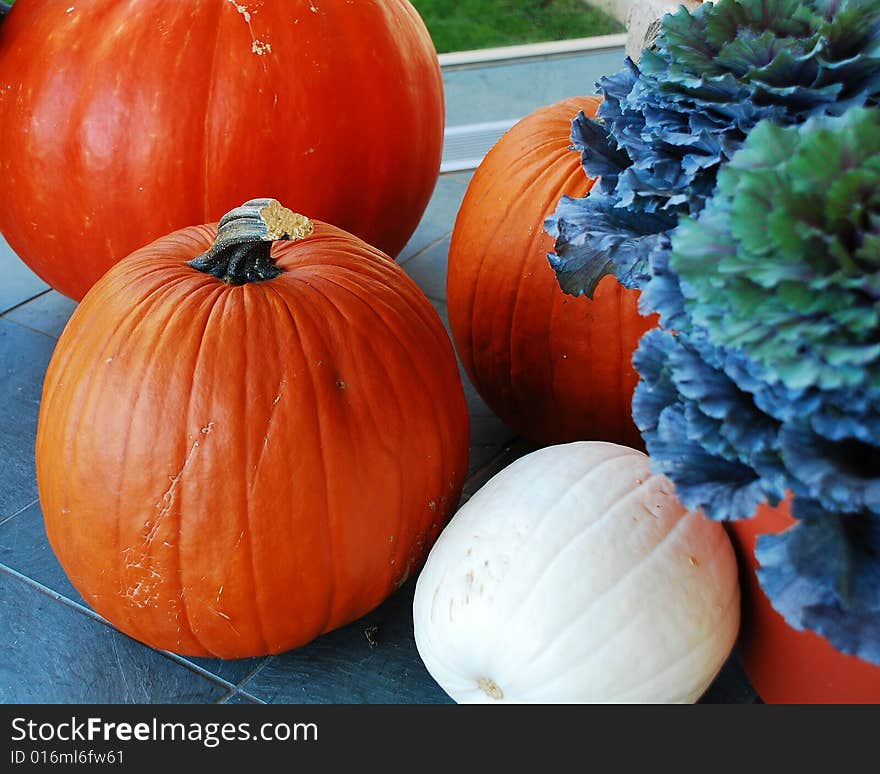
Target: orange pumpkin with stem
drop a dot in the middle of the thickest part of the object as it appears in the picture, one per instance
(244, 445)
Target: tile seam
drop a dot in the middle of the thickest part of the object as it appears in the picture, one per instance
(58, 597)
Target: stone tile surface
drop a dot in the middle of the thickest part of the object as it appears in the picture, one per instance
(373, 661)
(240, 697)
(439, 217)
(17, 282)
(47, 313)
(52, 652)
(25, 548)
(232, 670)
(428, 269)
(24, 355)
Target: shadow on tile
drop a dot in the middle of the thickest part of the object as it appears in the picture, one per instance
(373, 661)
(731, 686)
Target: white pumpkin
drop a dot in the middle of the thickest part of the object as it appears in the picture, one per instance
(575, 575)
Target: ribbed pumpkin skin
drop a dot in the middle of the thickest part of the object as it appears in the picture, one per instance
(575, 575)
(128, 119)
(234, 470)
(556, 368)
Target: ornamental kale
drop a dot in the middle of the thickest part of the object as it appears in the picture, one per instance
(770, 382)
(668, 125)
(793, 236)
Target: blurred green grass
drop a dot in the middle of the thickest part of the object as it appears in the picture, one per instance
(460, 25)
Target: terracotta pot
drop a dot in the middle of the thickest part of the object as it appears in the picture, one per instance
(787, 666)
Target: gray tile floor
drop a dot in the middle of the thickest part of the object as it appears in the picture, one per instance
(53, 648)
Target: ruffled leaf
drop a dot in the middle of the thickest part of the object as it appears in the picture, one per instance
(792, 287)
(823, 574)
(601, 159)
(668, 125)
(594, 238)
(698, 451)
(842, 475)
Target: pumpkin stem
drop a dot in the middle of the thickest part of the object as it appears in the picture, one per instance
(241, 251)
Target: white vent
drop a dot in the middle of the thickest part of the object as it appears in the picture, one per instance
(464, 147)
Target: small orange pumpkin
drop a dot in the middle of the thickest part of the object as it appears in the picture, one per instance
(556, 368)
(239, 451)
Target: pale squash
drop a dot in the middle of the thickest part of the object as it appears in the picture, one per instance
(575, 575)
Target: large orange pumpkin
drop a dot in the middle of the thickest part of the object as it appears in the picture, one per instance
(555, 367)
(238, 455)
(128, 120)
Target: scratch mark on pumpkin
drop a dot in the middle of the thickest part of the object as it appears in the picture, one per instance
(126, 556)
(166, 502)
(242, 10)
(405, 577)
(258, 47)
(144, 592)
(279, 394)
(225, 617)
